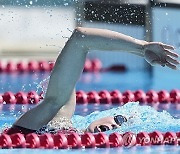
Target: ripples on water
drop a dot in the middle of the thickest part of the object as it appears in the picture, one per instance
(145, 118)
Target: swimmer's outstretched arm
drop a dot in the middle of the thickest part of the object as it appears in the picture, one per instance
(60, 96)
(102, 39)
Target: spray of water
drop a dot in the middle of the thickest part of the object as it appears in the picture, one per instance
(144, 118)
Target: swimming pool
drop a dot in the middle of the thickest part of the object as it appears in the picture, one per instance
(131, 80)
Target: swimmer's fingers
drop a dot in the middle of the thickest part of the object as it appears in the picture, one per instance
(172, 60)
(171, 66)
(170, 53)
(166, 46)
(168, 64)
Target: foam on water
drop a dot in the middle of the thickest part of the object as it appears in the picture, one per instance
(145, 118)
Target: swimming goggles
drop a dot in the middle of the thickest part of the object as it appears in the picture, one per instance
(119, 119)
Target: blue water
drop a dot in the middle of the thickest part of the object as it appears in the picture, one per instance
(134, 150)
(132, 80)
(146, 118)
(143, 118)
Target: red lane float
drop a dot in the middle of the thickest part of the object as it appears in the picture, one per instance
(93, 65)
(88, 140)
(101, 97)
(20, 98)
(116, 97)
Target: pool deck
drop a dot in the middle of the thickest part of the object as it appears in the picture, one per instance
(35, 32)
(18, 55)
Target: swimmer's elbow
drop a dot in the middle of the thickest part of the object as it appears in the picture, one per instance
(77, 33)
(80, 31)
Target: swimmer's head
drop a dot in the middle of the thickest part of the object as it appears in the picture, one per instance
(107, 123)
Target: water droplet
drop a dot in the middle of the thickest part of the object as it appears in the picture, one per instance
(69, 30)
(30, 2)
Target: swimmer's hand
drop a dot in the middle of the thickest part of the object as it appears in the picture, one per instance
(159, 53)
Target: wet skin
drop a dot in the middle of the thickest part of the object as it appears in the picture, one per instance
(103, 124)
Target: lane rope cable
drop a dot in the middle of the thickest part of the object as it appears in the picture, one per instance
(88, 140)
(101, 97)
(94, 65)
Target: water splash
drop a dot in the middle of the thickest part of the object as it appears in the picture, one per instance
(42, 86)
(30, 2)
(145, 118)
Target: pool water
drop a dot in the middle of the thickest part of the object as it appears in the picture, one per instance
(135, 150)
(168, 120)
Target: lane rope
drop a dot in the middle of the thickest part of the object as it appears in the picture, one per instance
(101, 97)
(88, 140)
(94, 65)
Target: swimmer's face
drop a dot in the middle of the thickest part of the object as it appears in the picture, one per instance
(107, 123)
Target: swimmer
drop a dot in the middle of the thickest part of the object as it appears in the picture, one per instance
(56, 109)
